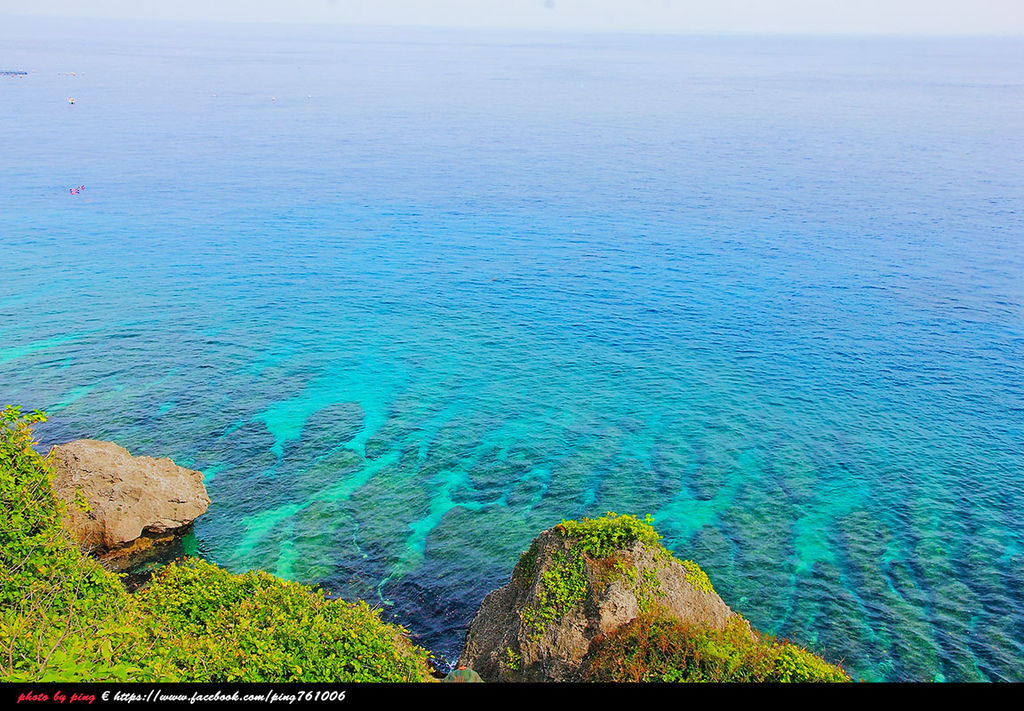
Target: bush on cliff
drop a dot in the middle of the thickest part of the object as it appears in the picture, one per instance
(64, 618)
(61, 615)
(255, 627)
(655, 647)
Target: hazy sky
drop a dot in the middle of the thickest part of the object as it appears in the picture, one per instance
(827, 16)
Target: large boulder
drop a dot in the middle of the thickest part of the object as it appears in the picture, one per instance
(577, 583)
(130, 501)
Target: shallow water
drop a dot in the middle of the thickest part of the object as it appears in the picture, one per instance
(408, 298)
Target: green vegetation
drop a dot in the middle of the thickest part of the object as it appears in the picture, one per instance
(527, 566)
(658, 648)
(697, 577)
(57, 607)
(562, 585)
(513, 661)
(256, 627)
(601, 537)
(62, 617)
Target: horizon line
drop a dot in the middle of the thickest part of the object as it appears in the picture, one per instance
(467, 27)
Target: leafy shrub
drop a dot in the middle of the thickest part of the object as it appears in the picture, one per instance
(256, 627)
(562, 586)
(696, 577)
(61, 615)
(64, 618)
(601, 537)
(655, 647)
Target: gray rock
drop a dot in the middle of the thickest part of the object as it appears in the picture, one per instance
(511, 639)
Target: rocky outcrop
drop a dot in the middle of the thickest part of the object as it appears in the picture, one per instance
(130, 503)
(577, 583)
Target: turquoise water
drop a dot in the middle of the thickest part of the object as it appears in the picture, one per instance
(408, 298)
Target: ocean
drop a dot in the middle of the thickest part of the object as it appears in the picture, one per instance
(409, 297)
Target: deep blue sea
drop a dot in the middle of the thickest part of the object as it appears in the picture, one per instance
(410, 297)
